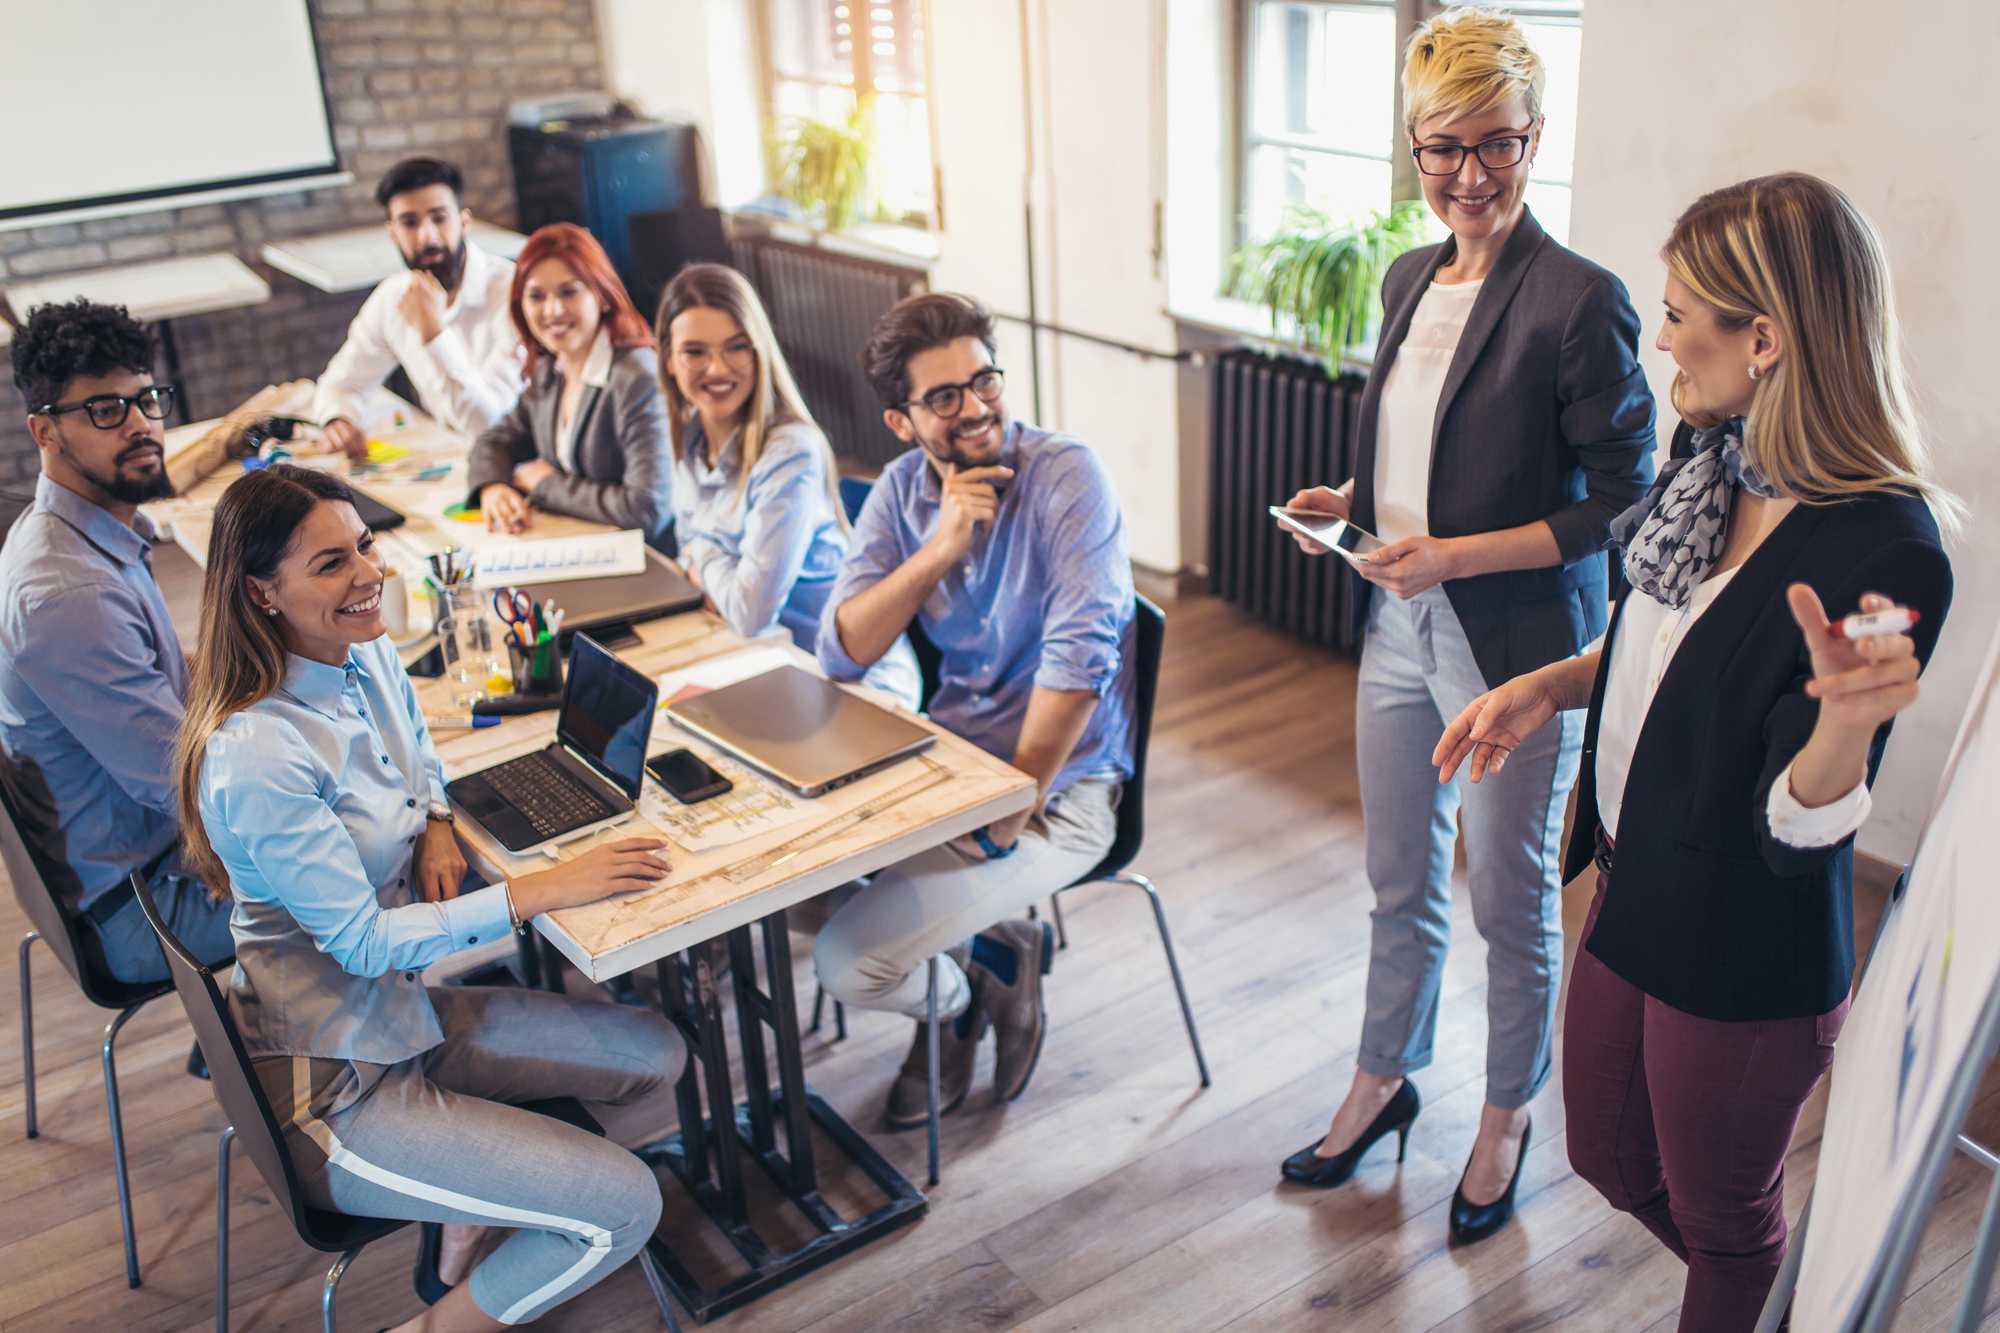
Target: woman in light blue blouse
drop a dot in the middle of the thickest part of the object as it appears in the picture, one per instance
(756, 509)
(321, 808)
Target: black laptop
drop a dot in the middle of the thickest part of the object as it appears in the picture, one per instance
(588, 778)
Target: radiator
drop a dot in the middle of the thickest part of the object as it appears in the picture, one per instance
(823, 307)
(1280, 425)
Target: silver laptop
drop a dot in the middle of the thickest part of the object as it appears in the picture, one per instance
(806, 732)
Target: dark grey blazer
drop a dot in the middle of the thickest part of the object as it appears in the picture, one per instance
(1544, 414)
(624, 474)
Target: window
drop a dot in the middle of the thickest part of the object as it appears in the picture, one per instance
(1319, 109)
(822, 51)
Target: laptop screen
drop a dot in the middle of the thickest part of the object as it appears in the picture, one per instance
(607, 713)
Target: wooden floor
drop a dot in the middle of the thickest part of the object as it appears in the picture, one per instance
(1116, 1194)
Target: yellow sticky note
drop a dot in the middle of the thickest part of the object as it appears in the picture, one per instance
(381, 451)
(499, 684)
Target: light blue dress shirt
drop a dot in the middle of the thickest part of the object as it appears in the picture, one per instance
(314, 799)
(91, 683)
(767, 553)
(1044, 597)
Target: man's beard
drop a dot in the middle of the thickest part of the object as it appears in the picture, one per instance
(447, 270)
(945, 447)
(127, 490)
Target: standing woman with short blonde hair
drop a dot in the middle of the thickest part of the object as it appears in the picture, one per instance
(1733, 731)
(1505, 424)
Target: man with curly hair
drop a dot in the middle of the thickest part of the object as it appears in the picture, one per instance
(91, 671)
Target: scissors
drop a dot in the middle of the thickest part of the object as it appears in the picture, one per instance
(518, 610)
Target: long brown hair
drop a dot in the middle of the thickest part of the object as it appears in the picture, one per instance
(1832, 419)
(775, 399)
(240, 655)
(586, 258)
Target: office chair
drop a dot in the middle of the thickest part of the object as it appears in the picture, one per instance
(252, 1122)
(57, 927)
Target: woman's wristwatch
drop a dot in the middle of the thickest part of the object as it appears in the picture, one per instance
(987, 845)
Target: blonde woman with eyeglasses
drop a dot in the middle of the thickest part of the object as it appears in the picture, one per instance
(1505, 424)
(756, 507)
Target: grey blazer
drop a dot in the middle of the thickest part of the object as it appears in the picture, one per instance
(1544, 414)
(624, 474)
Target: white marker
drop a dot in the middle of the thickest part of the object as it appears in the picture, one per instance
(1894, 621)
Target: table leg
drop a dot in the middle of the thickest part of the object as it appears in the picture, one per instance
(720, 1135)
(170, 352)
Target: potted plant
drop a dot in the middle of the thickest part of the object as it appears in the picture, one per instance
(828, 169)
(1326, 272)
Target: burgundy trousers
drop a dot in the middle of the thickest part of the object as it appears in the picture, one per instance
(1684, 1122)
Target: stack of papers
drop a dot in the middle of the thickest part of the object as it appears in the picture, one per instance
(596, 555)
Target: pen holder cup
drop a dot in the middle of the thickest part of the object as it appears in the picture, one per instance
(537, 670)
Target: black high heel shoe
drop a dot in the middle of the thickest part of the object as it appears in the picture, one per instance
(430, 1287)
(1307, 1167)
(1471, 1222)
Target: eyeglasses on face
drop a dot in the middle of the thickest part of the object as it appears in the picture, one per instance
(696, 359)
(948, 400)
(108, 411)
(1445, 159)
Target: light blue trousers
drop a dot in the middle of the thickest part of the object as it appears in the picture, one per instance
(1417, 674)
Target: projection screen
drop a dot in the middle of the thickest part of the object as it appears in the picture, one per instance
(124, 105)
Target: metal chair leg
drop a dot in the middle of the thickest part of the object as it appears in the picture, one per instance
(931, 1052)
(1055, 910)
(222, 1229)
(118, 1142)
(28, 1029)
(839, 1021)
(651, 1267)
(332, 1287)
(819, 1004)
(1173, 965)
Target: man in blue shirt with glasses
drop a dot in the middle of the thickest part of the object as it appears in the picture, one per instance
(91, 671)
(1006, 543)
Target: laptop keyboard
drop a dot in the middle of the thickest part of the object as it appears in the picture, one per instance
(553, 801)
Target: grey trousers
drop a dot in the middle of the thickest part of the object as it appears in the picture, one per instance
(870, 952)
(1418, 673)
(432, 1138)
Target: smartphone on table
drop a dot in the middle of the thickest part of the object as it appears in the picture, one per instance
(1336, 534)
(687, 776)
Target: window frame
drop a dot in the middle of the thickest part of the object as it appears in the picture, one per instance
(769, 79)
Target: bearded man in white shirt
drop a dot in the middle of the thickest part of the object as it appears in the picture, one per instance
(444, 321)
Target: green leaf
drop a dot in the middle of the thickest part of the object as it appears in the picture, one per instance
(1326, 272)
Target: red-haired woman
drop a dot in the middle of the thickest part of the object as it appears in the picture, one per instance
(589, 436)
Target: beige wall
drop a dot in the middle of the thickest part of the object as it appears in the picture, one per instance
(1888, 102)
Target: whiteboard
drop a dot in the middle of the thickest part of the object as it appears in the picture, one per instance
(116, 101)
(1912, 1026)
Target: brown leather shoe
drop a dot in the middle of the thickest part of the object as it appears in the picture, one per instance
(909, 1095)
(1020, 1020)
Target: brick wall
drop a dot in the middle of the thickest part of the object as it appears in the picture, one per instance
(402, 77)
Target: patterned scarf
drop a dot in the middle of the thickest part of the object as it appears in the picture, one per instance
(1676, 531)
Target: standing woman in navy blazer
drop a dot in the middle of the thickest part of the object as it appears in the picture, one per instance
(1733, 732)
(1505, 424)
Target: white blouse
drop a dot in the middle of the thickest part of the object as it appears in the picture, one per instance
(1649, 634)
(596, 374)
(1409, 409)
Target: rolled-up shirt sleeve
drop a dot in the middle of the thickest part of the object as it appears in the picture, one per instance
(876, 551)
(1796, 825)
(1089, 601)
(261, 783)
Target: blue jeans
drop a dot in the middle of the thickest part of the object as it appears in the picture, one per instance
(132, 951)
(1417, 674)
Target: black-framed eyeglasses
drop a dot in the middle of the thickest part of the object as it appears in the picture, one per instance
(109, 410)
(1445, 159)
(948, 400)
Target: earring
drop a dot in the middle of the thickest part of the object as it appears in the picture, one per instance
(270, 610)
(1753, 375)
